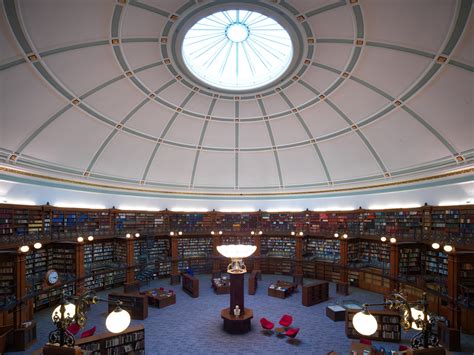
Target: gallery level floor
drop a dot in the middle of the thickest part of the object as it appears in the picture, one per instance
(194, 325)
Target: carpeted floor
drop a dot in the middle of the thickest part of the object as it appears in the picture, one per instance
(194, 326)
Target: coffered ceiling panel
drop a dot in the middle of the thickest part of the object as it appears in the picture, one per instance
(337, 23)
(140, 54)
(389, 70)
(76, 138)
(398, 21)
(348, 158)
(163, 168)
(138, 22)
(131, 151)
(220, 135)
(374, 93)
(18, 121)
(322, 120)
(185, 130)
(148, 119)
(447, 105)
(416, 146)
(105, 100)
(155, 77)
(288, 130)
(83, 70)
(301, 166)
(212, 164)
(51, 23)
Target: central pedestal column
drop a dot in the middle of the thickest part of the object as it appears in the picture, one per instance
(237, 324)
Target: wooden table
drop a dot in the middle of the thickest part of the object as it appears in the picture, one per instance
(281, 289)
(160, 298)
(237, 324)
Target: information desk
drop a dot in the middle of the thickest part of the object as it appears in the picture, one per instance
(221, 286)
(237, 325)
(160, 298)
(282, 289)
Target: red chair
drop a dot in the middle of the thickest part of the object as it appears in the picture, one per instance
(286, 320)
(365, 341)
(291, 333)
(74, 328)
(266, 324)
(88, 333)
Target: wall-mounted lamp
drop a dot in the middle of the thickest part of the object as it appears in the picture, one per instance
(299, 233)
(25, 248)
(254, 232)
(448, 248)
(344, 236)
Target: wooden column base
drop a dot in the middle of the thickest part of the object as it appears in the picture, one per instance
(237, 325)
(175, 279)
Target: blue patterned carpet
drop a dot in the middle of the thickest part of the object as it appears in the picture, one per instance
(194, 326)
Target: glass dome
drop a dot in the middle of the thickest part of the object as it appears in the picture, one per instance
(237, 50)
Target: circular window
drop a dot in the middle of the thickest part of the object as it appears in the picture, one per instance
(237, 49)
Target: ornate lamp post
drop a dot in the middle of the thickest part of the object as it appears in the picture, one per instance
(237, 317)
(414, 315)
(68, 313)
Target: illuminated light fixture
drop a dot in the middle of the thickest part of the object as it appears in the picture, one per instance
(293, 233)
(80, 239)
(417, 313)
(364, 322)
(335, 208)
(70, 310)
(393, 240)
(236, 252)
(17, 202)
(191, 209)
(181, 233)
(90, 238)
(118, 320)
(260, 232)
(383, 239)
(79, 205)
(138, 208)
(345, 236)
(252, 232)
(275, 210)
(448, 248)
(220, 232)
(435, 246)
(128, 235)
(37, 245)
(301, 233)
(24, 248)
(212, 232)
(171, 233)
(336, 235)
(237, 210)
(137, 235)
(394, 206)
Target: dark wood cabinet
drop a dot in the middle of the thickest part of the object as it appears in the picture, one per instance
(315, 292)
(190, 285)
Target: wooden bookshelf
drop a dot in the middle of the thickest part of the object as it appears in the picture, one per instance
(314, 293)
(388, 326)
(190, 285)
(253, 282)
(130, 341)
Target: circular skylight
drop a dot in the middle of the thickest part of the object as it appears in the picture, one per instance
(237, 50)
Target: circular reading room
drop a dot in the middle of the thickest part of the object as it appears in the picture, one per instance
(237, 177)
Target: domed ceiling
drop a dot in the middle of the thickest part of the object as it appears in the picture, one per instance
(98, 92)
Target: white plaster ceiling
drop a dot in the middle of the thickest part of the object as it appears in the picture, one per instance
(383, 91)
